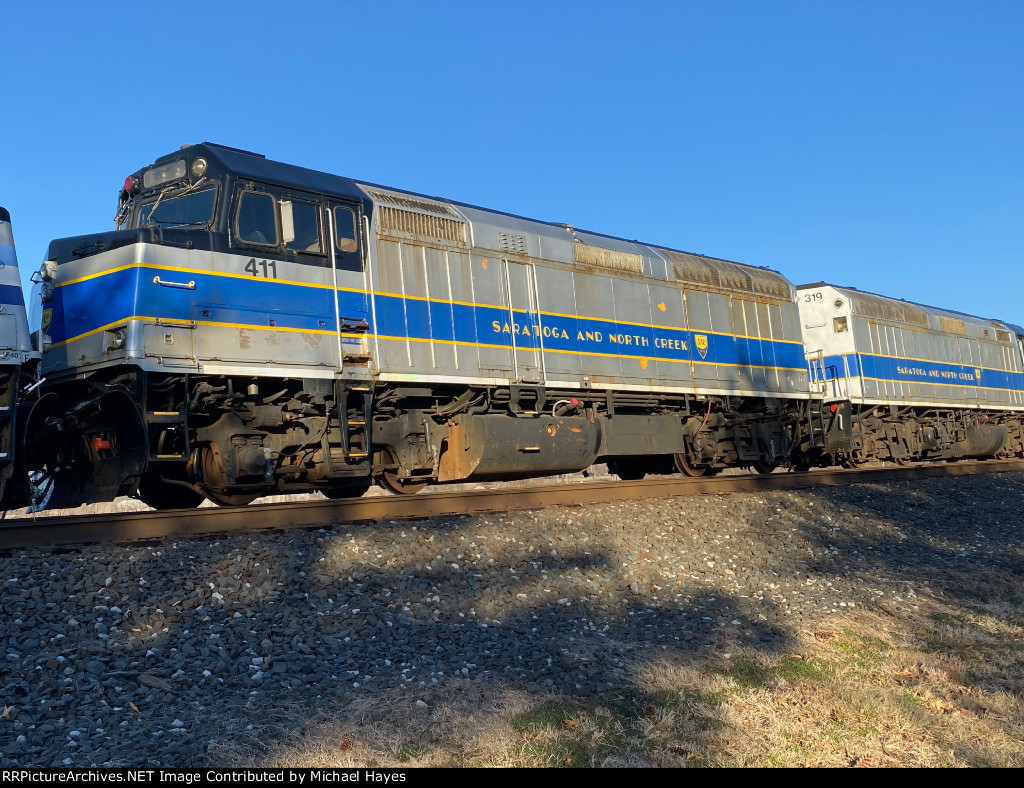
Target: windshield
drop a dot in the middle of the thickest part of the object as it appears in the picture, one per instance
(187, 209)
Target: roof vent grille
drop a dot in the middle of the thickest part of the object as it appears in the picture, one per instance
(511, 242)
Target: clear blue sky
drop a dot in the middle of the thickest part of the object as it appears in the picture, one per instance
(872, 144)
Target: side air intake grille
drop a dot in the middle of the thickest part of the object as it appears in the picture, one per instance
(952, 325)
(607, 258)
(421, 225)
(411, 202)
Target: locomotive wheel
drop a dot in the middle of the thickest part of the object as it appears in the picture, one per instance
(391, 482)
(213, 475)
(765, 466)
(39, 454)
(351, 490)
(693, 471)
(40, 488)
(236, 499)
(154, 491)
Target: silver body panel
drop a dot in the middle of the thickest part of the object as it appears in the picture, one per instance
(603, 321)
(451, 294)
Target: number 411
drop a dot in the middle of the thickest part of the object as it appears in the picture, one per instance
(269, 268)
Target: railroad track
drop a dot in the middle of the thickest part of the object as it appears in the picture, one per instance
(135, 526)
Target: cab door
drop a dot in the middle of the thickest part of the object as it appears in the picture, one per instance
(348, 253)
(525, 321)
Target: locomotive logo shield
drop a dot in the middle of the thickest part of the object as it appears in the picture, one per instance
(701, 341)
(977, 374)
(47, 317)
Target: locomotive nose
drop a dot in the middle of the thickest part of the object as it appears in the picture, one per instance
(12, 302)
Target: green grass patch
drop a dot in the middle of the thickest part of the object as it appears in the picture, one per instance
(747, 673)
(632, 704)
(863, 653)
(552, 715)
(411, 751)
(621, 722)
(563, 753)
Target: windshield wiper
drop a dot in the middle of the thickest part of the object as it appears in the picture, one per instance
(172, 225)
(163, 192)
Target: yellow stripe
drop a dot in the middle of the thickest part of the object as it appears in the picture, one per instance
(420, 339)
(383, 294)
(589, 353)
(668, 328)
(930, 383)
(933, 361)
(181, 270)
(165, 321)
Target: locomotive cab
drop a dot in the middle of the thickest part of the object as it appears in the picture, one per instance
(207, 346)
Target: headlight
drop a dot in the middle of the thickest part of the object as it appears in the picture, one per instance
(119, 337)
(198, 167)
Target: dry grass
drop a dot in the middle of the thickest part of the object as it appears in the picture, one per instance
(941, 688)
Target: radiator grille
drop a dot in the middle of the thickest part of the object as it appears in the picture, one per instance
(871, 305)
(710, 272)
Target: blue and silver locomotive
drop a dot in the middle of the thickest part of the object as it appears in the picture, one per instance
(254, 327)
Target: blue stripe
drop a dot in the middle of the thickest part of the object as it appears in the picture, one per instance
(99, 301)
(11, 294)
(928, 372)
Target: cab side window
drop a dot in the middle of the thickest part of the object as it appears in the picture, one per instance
(345, 230)
(303, 219)
(257, 219)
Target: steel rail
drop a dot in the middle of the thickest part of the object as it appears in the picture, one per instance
(134, 526)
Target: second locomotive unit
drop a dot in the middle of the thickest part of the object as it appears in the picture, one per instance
(253, 327)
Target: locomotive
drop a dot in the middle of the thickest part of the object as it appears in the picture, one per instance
(17, 374)
(252, 327)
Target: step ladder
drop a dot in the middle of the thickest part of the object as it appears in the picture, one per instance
(817, 436)
(347, 443)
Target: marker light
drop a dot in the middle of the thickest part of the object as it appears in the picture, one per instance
(198, 167)
(129, 183)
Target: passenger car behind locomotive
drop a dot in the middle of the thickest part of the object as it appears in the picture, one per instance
(255, 327)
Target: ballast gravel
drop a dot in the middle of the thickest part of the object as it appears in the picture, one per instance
(152, 654)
